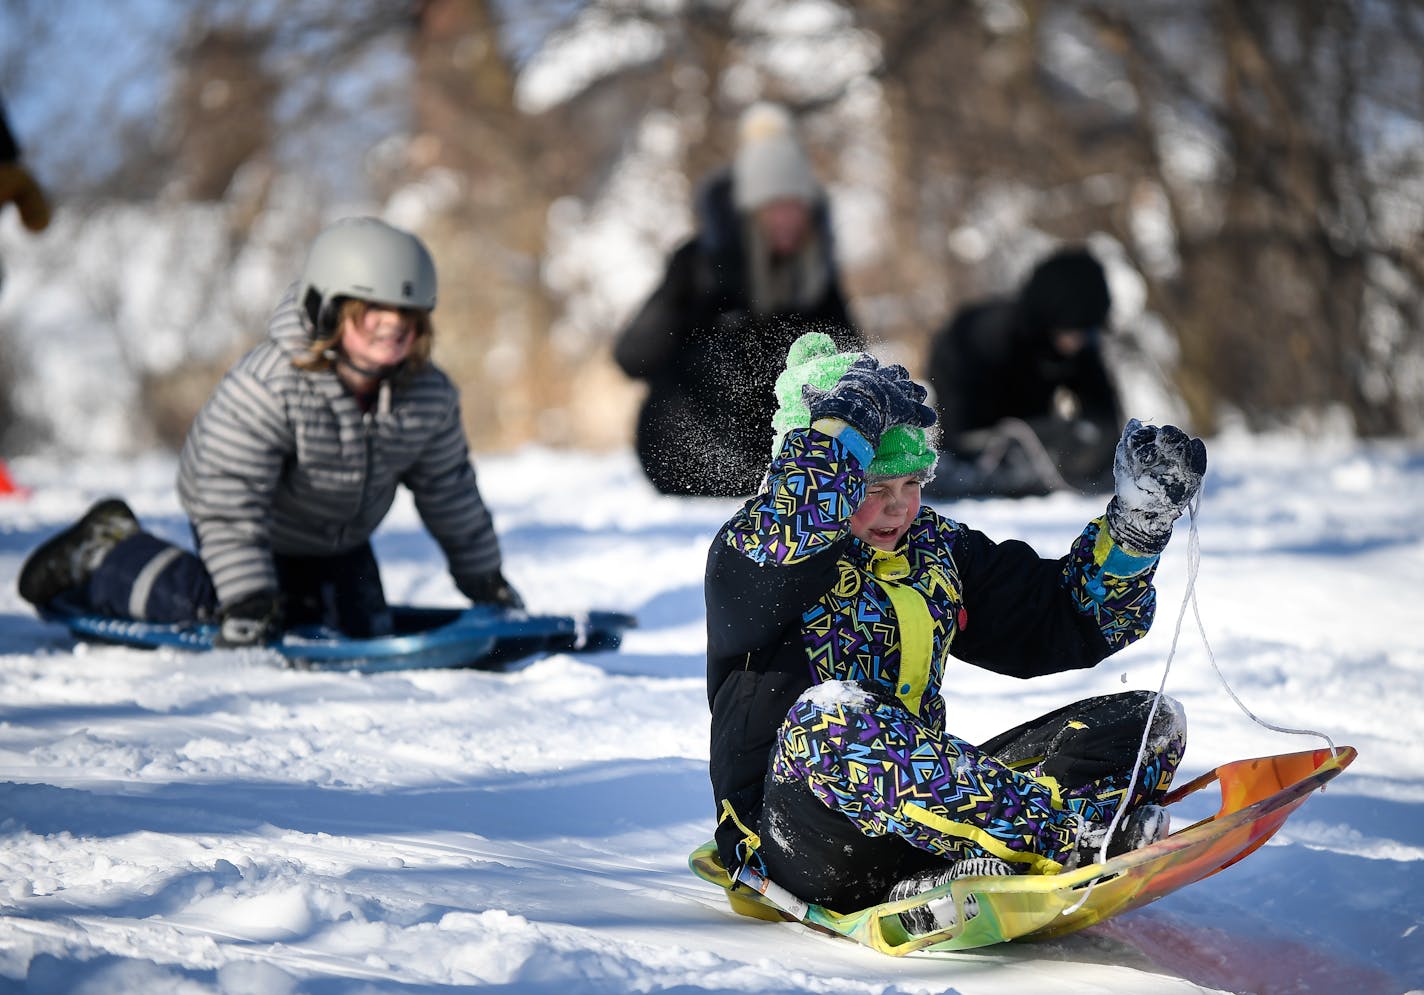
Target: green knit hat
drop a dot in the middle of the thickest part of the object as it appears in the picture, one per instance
(904, 450)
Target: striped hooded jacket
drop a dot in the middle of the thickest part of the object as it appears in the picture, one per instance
(282, 460)
(794, 599)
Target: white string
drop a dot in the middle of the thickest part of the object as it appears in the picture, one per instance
(1188, 597)
(1194, 561)
(1192, 564)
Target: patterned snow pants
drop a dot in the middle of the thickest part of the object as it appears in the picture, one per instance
(860, 794)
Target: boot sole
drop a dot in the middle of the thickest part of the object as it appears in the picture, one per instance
(39, 584)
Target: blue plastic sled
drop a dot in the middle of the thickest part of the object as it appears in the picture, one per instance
(481, 637)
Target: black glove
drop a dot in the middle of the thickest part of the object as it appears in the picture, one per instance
(871, 398)
(492, 589)
(253, 621)
(1157, 472)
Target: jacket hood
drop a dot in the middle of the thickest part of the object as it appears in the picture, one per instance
(290, 326)
(1068, 290)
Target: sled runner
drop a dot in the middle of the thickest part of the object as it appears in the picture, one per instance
(1257, 796)
(482, 637)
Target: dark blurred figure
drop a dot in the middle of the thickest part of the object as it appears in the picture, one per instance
(1025, 403)
(711, 339)
(17, 185)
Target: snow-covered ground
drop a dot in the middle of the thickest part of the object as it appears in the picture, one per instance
(179, 823)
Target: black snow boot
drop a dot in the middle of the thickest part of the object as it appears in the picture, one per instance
(1141, 827)
(67, 560)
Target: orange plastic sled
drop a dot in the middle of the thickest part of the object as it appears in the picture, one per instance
(1257, 796)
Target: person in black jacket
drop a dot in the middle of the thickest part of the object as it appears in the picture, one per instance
(835, 600)
(1026, 404)
(18, 187)
(710, 340)
(17, 184)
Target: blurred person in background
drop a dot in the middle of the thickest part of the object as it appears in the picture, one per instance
(710, 340)
(17, 184)
(1025, 401)
(18, 187)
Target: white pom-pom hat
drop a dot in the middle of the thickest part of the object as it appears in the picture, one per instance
(770, 163)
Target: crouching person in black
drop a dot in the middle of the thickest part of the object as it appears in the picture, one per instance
(1026, 403)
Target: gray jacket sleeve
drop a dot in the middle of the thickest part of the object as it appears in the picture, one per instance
(227, 476)
(448, 500)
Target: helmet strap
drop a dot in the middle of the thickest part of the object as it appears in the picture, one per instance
(374, 373)
(312, 305)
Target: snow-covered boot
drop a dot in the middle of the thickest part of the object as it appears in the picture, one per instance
(940, 914)
(1141, 827)
(67, 560)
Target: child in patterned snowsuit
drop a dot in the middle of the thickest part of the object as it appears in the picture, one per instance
(834, 602)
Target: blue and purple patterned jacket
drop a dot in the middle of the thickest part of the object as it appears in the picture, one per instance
(794, 599)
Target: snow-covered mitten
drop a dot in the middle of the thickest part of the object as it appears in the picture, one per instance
(872, 398)
(254, 621)
(1157, 472)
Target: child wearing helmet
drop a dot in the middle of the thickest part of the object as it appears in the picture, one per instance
(834, 601)
(295, 460)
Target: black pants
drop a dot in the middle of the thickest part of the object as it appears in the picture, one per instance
(149, 579)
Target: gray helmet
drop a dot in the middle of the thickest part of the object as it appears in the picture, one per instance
(369, 260)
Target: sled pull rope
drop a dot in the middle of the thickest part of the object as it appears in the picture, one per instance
(1193, 564)
(1189, 597)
